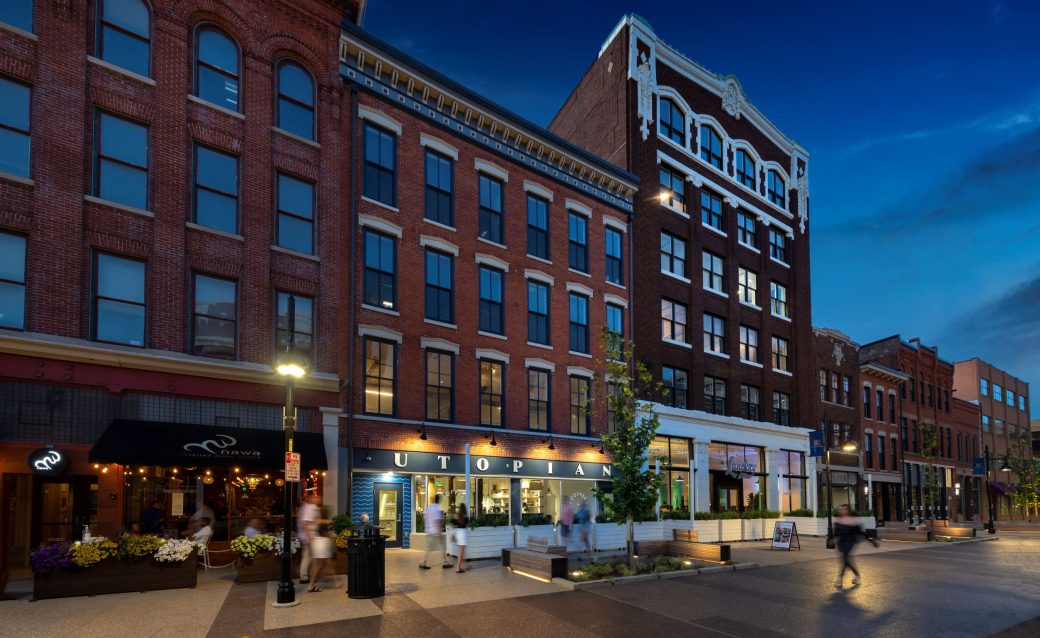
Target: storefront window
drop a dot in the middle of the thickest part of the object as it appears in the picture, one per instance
(671, 456)
(737, 480)
(792, 480)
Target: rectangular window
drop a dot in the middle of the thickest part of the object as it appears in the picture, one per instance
(749, 344)
(673, 255)
(902, 390)
(780, 354)
(491, 300)
(215, 317)
(440, 382)
(12, 281)
(578, 242)
(985, 423)
(492, 388)
(747, 233)
(490, 209)
(776, 189)
(714, 395)
(216, 189)
(712, 268)
(998, 393)
(983, 387)
(824, 388)
(778, 300)
(714, 333)
(579, 405)
(537, 227)
(916, 442)
(891, 408)
(1011, 398)
(440, 286)
(750, 402)
(904, 435)
(846, 393)
(579, 323)
(881, 452)
(380, 281)
(676, 383)
(880, 406)
(616, 319)
(15, 138)
(121, 161)
(538, 399)
(711, 210)
(960, 447)
(778, 246)
(835, 392)
(781, 408)
(747, 286)
(440, 191)
(537, 312)
(673, 320)
(296, 214)
(1021, 403)
(303, 323)
(18, 13)
(913, 390)
(380, 173)
(380, 377)
(895, 453)
(119, 301)
(866, 403)
(615, 259)
(868, 453)
(673, 189)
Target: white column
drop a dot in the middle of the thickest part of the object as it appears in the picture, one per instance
(811, 470)
(330, 434)
(773, 479)
(702, 497)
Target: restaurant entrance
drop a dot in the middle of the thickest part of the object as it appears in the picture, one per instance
(61, 507)
(388, 500)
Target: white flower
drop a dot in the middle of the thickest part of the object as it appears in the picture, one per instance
(175, 551)
(279, 542)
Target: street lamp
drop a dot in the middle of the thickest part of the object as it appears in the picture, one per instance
(291, 366)
(849, 447)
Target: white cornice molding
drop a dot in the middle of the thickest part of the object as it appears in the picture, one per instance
(538, 275)
(614, 299)
(491, 261)
(433, 343)
(380, 224)
(580, 289)
(578, 371)
(538, 190)
(577, 207)
(429, 241)
(492, 169)
(378, 117)
(380, 332)
(491, 355)
(79, 351)
(438, 145)
(540, 363)
(615, 223)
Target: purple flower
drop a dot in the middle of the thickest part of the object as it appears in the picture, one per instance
(50, 557)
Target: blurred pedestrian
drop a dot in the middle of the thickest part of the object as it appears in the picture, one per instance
(583, 519)
(566, 520)
(307, 525)
(253, 527)
(152, 519)
(321, 554)
(461, 527)
(434, 520)
(847, 531)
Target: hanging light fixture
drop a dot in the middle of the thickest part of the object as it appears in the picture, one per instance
(550, 440)
(493, 441)
(422, 432)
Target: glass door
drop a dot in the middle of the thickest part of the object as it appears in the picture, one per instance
(387, 497)
(61, 508)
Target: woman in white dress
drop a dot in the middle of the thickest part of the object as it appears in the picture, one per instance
(461, 529)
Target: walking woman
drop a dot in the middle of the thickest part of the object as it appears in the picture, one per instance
(847, 531)
(461, 527)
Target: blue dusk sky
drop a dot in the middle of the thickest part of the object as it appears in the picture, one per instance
(922, 120)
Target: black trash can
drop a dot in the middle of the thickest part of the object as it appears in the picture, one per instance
(366, 550)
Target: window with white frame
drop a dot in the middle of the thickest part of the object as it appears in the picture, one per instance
(673, 320)
(778, 300)
(711, 210)
(714, 333)
(780, 354)
(711, 146)
(672, 122)
(712, 268)
(747, 231)
(673, 254)
(776, 189)
(747, 286)
(748, 344)
(745, 169)
(778, 246)
(673, 188)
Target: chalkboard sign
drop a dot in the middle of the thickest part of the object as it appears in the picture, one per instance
(784, 534)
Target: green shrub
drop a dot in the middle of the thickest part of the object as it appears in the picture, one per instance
(675, 515)
(420, 522)
(341, 522)
(800, 512)
(489, 520)
(728, 516)
(663, 564)
(536, 519)
(750, 514)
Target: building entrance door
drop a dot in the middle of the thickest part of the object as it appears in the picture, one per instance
(61, 507)
(389, 505)
(728, 495)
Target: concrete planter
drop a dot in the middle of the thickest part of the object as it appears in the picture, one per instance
(484, 542)
(263, 567)
(114, 577)
(607, 536)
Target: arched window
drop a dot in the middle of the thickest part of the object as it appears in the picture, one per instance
(123, 34)
(216, 68)
(777, 189)
(711, 146)
(745, 169)
(672, 122)
(295, 100)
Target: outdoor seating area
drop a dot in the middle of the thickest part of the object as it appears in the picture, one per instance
(539, 559)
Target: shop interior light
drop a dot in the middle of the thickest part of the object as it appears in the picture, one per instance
(237, 470)
(96, 466)
(104, 470)
(174, 470)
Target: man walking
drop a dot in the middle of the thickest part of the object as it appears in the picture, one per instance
(434, 533)
(306, 526)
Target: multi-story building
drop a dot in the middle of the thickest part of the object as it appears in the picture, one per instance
(880, 415)
(837, 415)
(490, 255)
(162, 199)
(966, 499)
(925, 422)
(722, 183)
(1004, 428)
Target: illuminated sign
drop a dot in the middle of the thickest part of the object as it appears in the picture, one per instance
(48, 461)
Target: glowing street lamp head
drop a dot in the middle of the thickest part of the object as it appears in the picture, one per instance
(849, 446)
(290, 364)
(664, 197)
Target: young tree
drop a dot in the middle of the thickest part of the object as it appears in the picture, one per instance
(929, 450)
(1024, 470)
(634, 424)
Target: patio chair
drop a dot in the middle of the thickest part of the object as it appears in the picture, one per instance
(205, 555)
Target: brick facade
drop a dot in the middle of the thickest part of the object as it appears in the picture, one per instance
(836, 411)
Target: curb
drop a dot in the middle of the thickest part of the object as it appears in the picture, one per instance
(625, 580)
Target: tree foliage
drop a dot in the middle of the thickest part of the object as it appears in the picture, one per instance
(1026, 474)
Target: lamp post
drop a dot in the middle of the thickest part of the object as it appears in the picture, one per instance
(849, 447)
(290, 366)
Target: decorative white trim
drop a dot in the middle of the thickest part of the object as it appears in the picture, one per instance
(748, 304)
(493, 335)
(579, 272)
(294, 136)
(450, 229)
(544, 261)
(380, 332)
(580, 289)
(434, 322)
(537, 275)
(676, 342)
(668, 273)
(434, 343)
(783, 372)
(749, 247)
(780, 317)
(615, 223)
(494, 170)
(295, 253)
(216, 107)
(492, 243)
(438, 145)
(751, 363)
(717, 292)
(491, 355)
(429, 241)
(578, 371)
(213, 231)
(614, 299)
(577, 207)
(380, 118)
(714, 230)
(538, 190)
(721, 355)
(540, 363)
(579, 354)
(544, 346)
(117, 206)
(379, 224)
(118, 69)
(380, 204)
(385, 311)
(493, 262)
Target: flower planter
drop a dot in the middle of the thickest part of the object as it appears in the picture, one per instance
(484, 542)
(730, 529)
(263, 567)
(608, 536)
(809, 526)
(707, 531)
(342, 564)
(114, 577)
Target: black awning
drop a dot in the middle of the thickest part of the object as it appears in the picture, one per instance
(183, 445)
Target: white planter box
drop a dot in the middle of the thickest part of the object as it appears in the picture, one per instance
(730, 530)
(606, 536)
(670, 526)
(544, 531)
(650, 531)
(809, 526)
(767, 528)
(707, 531)
(869, 522)
(485, 542)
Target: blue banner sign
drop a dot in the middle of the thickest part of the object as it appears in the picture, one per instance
(978, 467)
(816, 443)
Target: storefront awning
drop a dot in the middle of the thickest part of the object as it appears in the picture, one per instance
(1003, 488)
(183, 445)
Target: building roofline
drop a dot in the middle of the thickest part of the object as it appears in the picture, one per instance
(883, 370)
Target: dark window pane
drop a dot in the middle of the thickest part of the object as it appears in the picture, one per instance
(123, 184)
(14, 105)
(214, 338)
(12, 257)
(123, 50)
(17, 13)
(218, 50)
(217, 171)
(12, 305)
(124, 140)
(131, 15)
(119, 322)
(216, 211)
(295, 234)
(121, 279)
(296, 83)
(295, 119)
(295, 196)
(214, 297)
(15, 149)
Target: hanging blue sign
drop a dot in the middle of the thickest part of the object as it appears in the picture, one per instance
(978, 467)
(816, 443)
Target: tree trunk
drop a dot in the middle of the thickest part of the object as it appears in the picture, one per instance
(631, 533)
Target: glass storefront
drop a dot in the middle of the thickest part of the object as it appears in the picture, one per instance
(792, 480)
(671, 456)
(737, 481)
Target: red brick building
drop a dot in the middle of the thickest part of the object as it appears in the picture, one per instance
(489, 255)
(1003, 426)
(721, 243)
(837, 410)
(967, 500)
(880, 411)
(161, 198)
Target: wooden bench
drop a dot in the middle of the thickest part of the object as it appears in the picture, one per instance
(684, 535)
(539, 559)
(955, 532)
(921, 535)
(711, 552)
